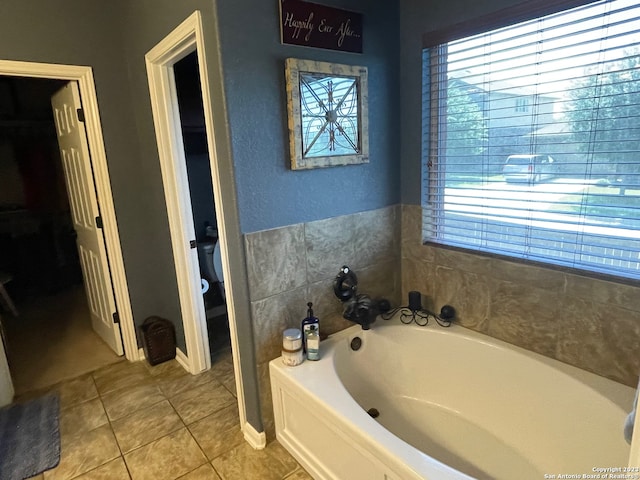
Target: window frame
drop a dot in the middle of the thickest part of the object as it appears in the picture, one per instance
(521, 12)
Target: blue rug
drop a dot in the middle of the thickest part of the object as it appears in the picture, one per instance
(29, 438)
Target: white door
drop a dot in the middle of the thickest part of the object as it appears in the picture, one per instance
(6, 385)
(74, 151)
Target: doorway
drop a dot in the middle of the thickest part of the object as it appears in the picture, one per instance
(186, 38)
(62, 257)
(202, 195)
(38, 245)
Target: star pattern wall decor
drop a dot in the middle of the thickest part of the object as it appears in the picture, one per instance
(327, 106)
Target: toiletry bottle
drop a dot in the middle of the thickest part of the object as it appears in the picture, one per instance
(312, 340)
(292, 347)
(307, 322)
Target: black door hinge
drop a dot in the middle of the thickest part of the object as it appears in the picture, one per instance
(99, 222)
(193, 244)
(116, 317)
(80, 113)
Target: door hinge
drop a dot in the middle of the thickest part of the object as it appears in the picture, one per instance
(99, 222)
(193, 243)
(80, 113)
(116, 317)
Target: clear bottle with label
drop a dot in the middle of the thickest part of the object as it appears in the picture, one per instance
(313, 343)
(308, 322)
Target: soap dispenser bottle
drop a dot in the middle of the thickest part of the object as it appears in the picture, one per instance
(312, 341)
(308, 322)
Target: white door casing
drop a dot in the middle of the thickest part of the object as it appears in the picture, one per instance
(84, 76)
(85, 213)
(184, 39)
(166, 115)
(6, 385)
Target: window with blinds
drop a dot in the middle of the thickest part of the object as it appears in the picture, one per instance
(532, 141)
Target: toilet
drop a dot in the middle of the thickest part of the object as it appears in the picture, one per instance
(211, 263)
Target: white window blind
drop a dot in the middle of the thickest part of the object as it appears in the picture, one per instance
(532, 141)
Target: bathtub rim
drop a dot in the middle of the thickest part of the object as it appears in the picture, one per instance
(408, 462)
(618, 393)
(373, 436)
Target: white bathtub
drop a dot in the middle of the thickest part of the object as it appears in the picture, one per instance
(454, 404)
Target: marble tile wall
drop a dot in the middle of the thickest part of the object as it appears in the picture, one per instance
(590, 323)
(290, 266)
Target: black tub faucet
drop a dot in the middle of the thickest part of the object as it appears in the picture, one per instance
(358, 308)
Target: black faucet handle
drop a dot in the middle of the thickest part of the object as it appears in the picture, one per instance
(345, 284)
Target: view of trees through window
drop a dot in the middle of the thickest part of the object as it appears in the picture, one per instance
(536, 144)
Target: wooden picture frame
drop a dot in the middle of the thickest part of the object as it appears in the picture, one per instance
(328, 114)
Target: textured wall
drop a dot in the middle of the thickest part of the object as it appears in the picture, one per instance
(271, 195)
(592, 324)
(89, 34)
(293, 265)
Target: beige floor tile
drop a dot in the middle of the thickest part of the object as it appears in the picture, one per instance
(49, 324)
(146, 425)
(219, 432)
(82, 417)
(84, 452)
(230, 384)
(126, 401)
(37, 477)
(197, 403)
(114, 470)
(205, 472)
(299, 474)
(243, 462)
(179, 382)
(222, 370)
(278, 451)
(76, 391)
(167, 458)
(165, 369)
(121, 375)
(222, 367)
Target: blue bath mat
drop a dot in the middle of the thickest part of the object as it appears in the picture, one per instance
(29, 438)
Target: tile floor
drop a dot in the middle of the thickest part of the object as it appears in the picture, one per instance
(134, 421)
(58, 327)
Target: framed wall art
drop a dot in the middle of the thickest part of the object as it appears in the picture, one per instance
(328, 115)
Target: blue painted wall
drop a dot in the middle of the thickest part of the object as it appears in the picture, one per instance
(270, 194)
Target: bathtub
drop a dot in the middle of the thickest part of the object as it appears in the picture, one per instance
(451, 404)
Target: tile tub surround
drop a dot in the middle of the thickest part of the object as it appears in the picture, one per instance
(290, 266)
(589, 323)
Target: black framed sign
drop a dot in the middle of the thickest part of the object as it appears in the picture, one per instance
(314, 25)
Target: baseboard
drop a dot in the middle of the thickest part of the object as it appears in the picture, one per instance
(258, 440)
(182, 359)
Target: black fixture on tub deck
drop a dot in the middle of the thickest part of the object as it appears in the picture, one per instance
(414, 312)
(358, 308)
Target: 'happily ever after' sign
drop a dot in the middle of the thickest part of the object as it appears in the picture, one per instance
(313, 25)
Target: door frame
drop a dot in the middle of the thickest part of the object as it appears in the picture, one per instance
(84, 76)
(166, 118)
(183, 40)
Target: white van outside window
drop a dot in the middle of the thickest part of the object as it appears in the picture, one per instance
(529, 168)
